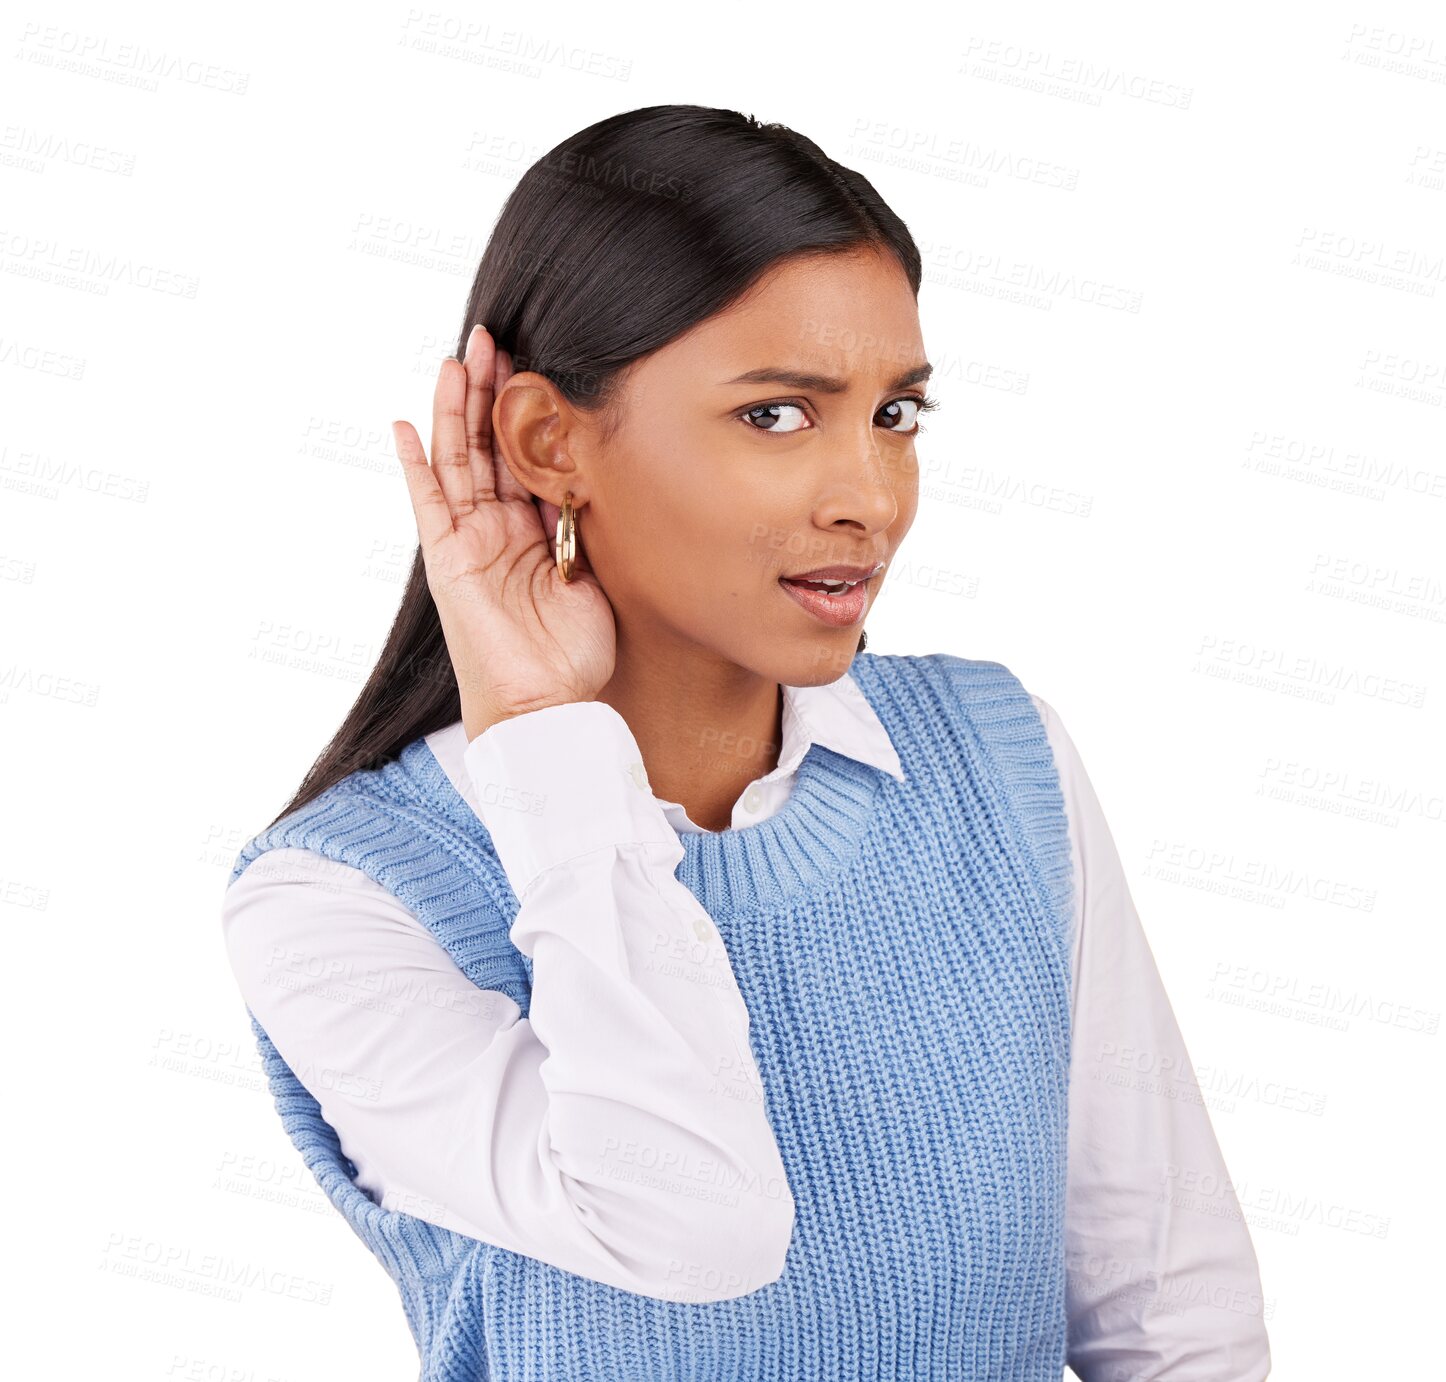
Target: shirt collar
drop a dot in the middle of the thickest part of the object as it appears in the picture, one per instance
(838, 716)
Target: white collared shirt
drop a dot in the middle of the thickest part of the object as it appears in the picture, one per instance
(456, 1109)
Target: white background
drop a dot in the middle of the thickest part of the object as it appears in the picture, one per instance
(1206, 526)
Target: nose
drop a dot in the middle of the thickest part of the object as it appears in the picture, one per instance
(862, 488)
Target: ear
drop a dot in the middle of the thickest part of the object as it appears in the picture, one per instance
(541, 436)
(536, 429)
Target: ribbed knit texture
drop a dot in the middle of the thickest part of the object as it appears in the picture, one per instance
(902, 948)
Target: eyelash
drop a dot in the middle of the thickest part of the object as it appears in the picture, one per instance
(926, 403)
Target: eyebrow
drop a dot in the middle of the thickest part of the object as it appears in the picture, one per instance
(822, 383)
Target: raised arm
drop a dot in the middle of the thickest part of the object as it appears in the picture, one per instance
(619, 1131)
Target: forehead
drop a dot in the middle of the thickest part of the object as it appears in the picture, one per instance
(850, 314)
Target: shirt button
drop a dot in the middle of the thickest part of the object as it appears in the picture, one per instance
(752, 799)
(639, 775)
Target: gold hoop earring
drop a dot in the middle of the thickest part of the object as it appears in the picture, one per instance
(566, 538)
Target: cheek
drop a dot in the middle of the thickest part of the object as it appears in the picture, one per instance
(692, 535)
(906, 496)
(909, 503)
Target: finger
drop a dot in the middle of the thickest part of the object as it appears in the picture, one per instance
(449, 438)
(548, 513)
(479, 360)
(505, 484)
(434, 517)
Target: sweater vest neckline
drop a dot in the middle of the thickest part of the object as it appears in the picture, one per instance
(807, 842)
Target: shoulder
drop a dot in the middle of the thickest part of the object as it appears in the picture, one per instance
(1062, 745)
(1021, 737)
(294, 911)
(948, 677)
(290, 869)
(972, 677)
(292, 890)
(981, 698)
(380, 820)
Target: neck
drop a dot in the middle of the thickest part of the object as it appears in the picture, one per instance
(706, 729)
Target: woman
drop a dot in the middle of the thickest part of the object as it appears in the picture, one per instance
(659, 983)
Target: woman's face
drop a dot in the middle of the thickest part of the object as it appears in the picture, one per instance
(714, 485)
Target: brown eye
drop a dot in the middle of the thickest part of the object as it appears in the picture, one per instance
(912, 408)
(766, 414)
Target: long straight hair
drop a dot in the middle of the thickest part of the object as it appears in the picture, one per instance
(624, 236)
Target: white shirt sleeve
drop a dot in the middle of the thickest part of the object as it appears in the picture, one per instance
(1154, 1289)
(619, 1131)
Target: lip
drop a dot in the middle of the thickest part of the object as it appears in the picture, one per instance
(835, 573)
(837, 611)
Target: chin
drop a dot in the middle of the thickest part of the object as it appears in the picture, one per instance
(821, 660)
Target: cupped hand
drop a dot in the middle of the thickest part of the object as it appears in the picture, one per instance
(520, 637)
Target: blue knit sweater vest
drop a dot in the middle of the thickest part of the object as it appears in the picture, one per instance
(902, 948)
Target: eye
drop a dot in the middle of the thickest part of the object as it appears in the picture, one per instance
(912, 406)
(765, 417)
(762, 414)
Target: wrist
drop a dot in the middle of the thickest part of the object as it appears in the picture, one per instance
(477, 719)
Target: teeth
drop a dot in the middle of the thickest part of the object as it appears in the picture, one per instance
(834, 588)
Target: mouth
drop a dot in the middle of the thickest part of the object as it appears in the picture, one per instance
(837, 596)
